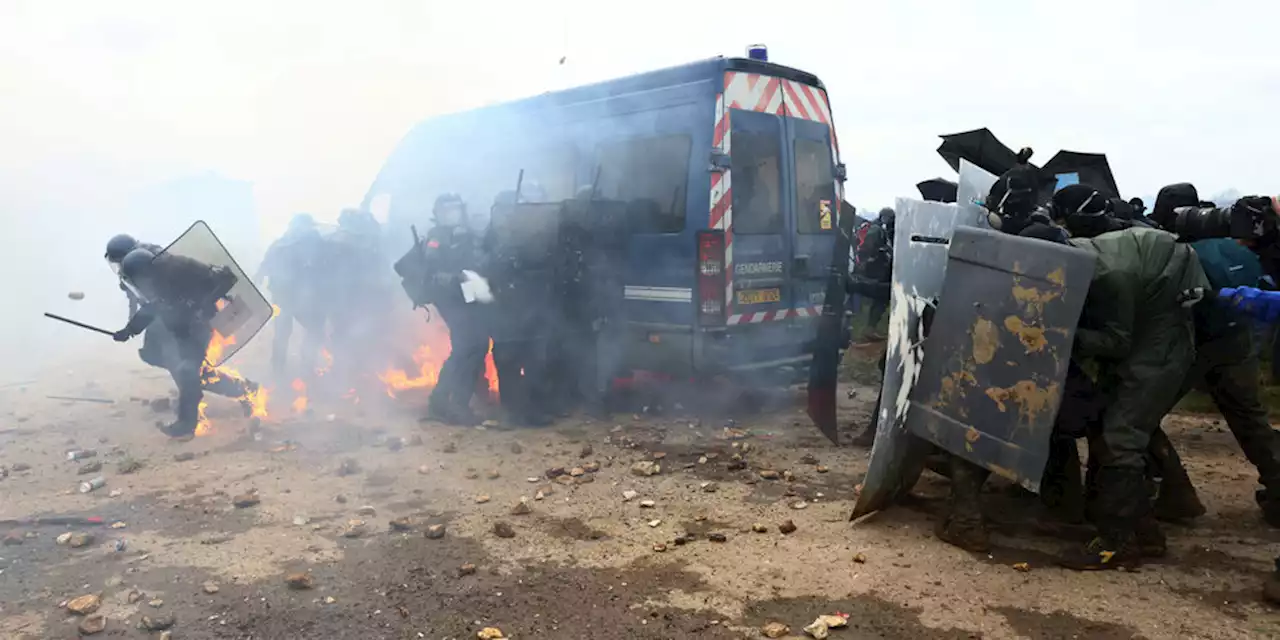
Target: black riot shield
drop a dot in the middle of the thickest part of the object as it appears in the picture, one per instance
(242, 310)
(923, 232)
(997, 355)
(824, 369)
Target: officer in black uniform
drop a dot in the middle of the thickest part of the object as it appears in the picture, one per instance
(157, 343)
(183, 293)
(294, 270)
(432, 273)
(522, 287)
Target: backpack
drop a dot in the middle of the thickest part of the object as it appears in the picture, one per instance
(1226, 264)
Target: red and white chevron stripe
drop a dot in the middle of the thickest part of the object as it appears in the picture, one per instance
(764, 94)
(770, 316)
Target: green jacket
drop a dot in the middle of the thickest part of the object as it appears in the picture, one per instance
(1134, 315)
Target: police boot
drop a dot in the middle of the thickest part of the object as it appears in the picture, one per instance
(1150, 538)
(188, 417)
(461, 415)
(964, 526)
(1176, 499)
(1122, 499)
(1270, 504)
(1271, 589)
(246, 403)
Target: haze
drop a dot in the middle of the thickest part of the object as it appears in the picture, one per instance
(143, 116)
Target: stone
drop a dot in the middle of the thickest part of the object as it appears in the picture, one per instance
(736, 465)
(90, 625)
(13, 539)
(63, 539)
(808, 458)
(366, 511)
(246, 500)
(481, 499)
(565, 479)
(717, 537)
(450, 447)
(89, 467)
(539, 495)
(301, 521)
(760, 528)
(80, 539)
(340, 499)
(647, 504)
(1021, 566)
(434, 532)
(591, 467)
(395, 444)
(577, 472)
(472, 474)
(860, 558)
(424, 470)
(185, 456)
(821, 469)
(349, 466)
(516, 448)
(629, 495)
(818, 630)
(401, 524)
(775, 630)
(134, 596)
(787, 527)
(788, 476)
(503, 530)
(659, 547)
(585, 479)
(467, 569)
(355, 528)
(521, 508)
(834, 621)
(586, 451)
(645, 468)
(554, 472)
(157, 603)
(158, 622)
(493, 474)
(800, 505)
(84, 605)
(19, 467)
(210, 587)
(299, 581)
(490, 633)
(710, 487)
(654, 523)
(769, 474)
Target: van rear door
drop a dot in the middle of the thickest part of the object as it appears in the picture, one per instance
(815, 204)
(761, 241)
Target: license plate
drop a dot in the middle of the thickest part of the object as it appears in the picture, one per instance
(759, 296)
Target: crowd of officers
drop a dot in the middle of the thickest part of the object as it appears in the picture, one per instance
(1151, 330)
(551, 271)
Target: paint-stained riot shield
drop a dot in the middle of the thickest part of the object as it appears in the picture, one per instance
(996, 359)
(242, 310)
(923, 232)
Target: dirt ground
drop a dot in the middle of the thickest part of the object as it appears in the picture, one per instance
(582, 563)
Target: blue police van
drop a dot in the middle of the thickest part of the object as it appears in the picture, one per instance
(739, 161)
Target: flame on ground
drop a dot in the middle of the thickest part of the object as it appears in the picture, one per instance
(424, 378)
(254, 399)
(300, 395)
(203, 428)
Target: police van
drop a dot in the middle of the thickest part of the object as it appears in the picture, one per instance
(737, 162)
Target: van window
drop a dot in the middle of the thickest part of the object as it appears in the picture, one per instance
(651, 175)
(815, 182)
(756, 163)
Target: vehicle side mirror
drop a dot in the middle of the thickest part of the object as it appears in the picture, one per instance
(842, 174)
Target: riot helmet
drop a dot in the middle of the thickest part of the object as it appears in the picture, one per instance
(532, 191)
(449, 210)
(1139, 207)
(136, 265)
(1170, 197)
(117, 248)
(887, 217)
(1083, 210)
(301, 222)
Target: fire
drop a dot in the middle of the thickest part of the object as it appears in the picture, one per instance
(424, 378)
(217, 345)
(491, 371)
(254, 399)
(326, 362)
(257, 401)
(275, 311)
(202, 423)
(300, 395)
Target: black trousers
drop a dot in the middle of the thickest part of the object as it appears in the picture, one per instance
(468, 344)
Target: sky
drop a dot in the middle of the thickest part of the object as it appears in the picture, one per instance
(302, 101)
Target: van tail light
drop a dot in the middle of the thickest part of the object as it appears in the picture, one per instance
(711, 278)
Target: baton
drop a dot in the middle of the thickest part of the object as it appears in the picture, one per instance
(79, 324)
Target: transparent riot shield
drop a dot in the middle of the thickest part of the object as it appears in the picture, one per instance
(923, 233)
(972, 186)
(212, 277)
(995, 362)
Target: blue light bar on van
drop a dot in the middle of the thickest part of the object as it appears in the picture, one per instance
(758, 52)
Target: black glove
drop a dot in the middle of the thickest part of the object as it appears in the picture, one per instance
(122, 335)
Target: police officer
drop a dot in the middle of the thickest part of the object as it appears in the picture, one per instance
(448, 250)
(522, 290)
(875, 261)
(294, 271)
(183, 294)
(360, 297)
(157, 343)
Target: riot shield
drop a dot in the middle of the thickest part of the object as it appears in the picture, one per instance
(973, 185)
(996, 359)
(923, 232)
(242, 309)
(528, 233)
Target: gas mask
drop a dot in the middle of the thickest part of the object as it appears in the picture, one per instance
(450, 215)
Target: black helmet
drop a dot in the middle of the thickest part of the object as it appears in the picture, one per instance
(301, 221)
(446, 199)
(887, 216)
(135, 263)
(120, 246)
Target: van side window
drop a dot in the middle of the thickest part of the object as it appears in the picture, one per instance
(756, 164)
(652, 176)
(815, 182)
